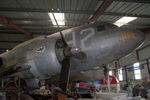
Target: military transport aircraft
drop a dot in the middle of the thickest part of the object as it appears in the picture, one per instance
(83, 47)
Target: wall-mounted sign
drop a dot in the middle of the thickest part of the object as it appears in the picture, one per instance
(135, 68)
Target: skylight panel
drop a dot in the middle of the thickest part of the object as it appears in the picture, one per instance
(124, 20)
(59, 17)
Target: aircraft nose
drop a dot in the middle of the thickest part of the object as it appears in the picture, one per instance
(138, 35)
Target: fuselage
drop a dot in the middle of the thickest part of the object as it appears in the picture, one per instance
(101, 42)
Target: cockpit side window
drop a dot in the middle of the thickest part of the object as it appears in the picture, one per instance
(100, 28)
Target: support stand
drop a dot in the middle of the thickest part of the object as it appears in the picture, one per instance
(14, 88)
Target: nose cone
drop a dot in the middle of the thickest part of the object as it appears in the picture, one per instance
(138, 36)
(127, 40)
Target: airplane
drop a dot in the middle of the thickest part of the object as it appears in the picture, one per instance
(83, 47)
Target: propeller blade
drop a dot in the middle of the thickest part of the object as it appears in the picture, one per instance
(62, 37)
(64, 75)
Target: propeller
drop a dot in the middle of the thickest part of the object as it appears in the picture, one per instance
(70, 51)
(65, 63)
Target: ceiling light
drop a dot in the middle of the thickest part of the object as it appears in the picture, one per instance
(124, 20)
(59, 17)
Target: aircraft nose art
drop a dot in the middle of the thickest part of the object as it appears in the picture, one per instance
(132, 35)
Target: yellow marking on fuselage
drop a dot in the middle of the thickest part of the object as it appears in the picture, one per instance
(126, 36)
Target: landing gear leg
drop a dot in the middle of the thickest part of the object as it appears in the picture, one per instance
(64, 77)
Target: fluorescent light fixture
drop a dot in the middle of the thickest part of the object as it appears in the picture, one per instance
(137, 64)
(124, 20)
(59, 17)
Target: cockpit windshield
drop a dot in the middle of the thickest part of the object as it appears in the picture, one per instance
(100, 28)
(104, 26)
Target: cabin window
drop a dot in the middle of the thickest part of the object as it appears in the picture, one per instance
(100, 28)
(137, 71)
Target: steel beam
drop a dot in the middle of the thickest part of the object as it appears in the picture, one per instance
(38, 33)
(21, 10)
(28, 19)
(134, 1)
(33, 26)
(32, 29)
(125, 14)
(41, 19)
(100, 10)
(18, 28)
(11, 41)
(44, 10)
(126, 74)
(148, 67)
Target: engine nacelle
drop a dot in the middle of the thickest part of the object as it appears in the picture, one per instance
(43, 58)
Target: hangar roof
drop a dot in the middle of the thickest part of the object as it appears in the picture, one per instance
(32, 15)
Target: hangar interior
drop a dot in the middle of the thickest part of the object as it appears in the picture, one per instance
(21, 20)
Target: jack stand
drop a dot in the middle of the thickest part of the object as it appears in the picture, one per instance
(11, 87)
